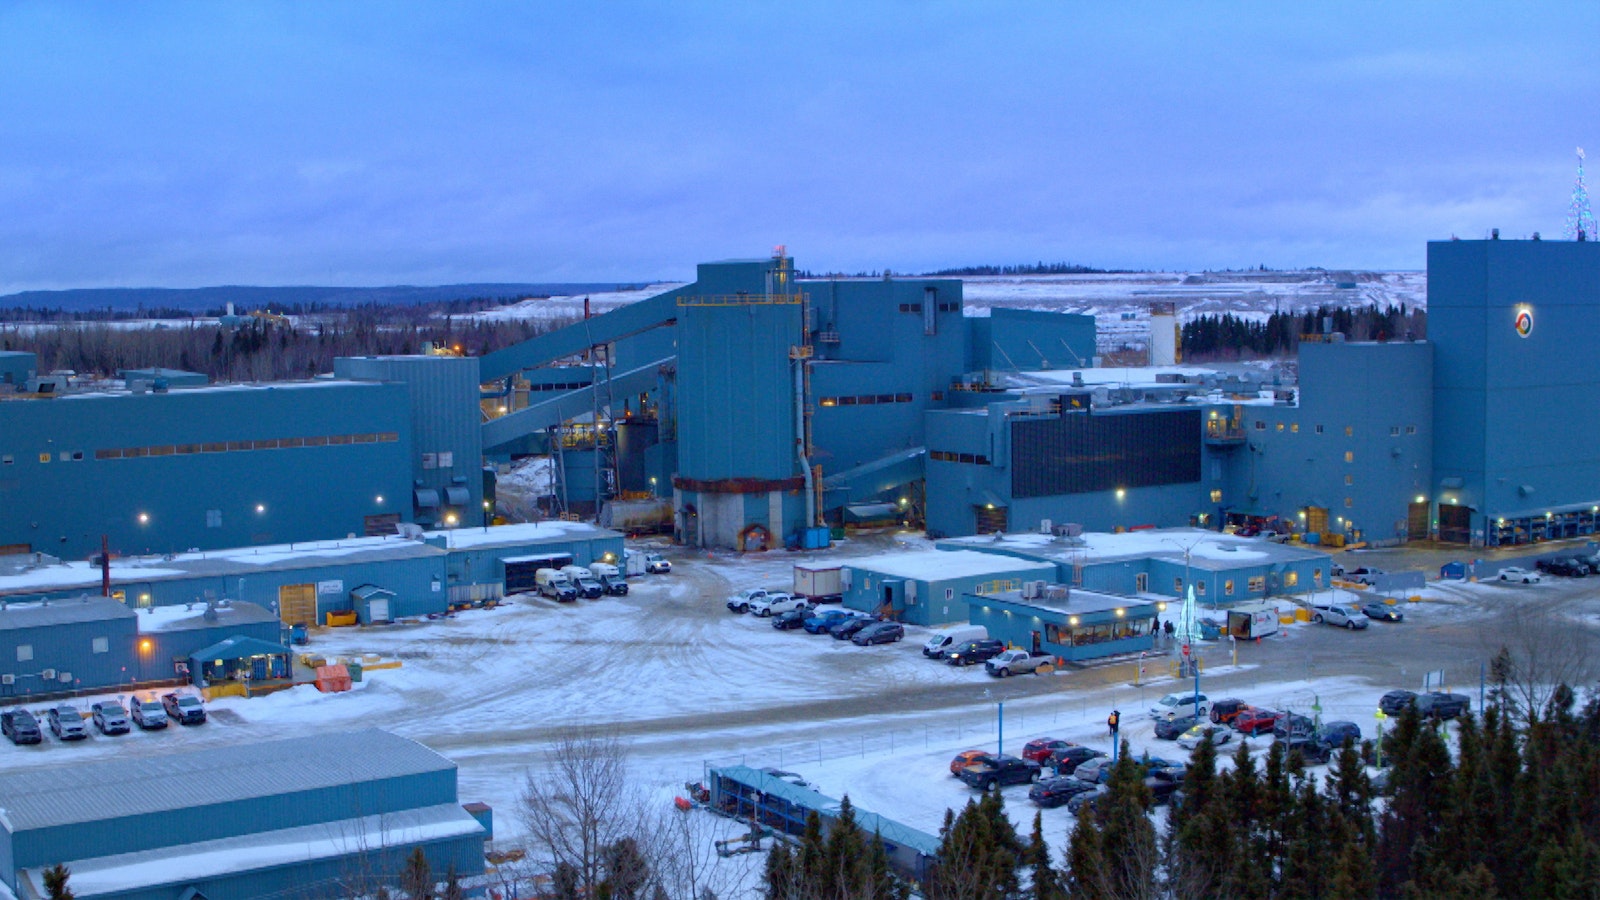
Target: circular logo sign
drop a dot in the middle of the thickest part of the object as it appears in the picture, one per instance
(1524, 322)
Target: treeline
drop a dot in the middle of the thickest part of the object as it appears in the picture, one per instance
(1511, 811)
(1229, 336)
(262, 350)
(1038, 268)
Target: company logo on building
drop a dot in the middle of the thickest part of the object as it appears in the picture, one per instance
(1523, 322)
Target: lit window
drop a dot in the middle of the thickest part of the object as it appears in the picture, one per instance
(1349, 456)
(1258, 583)
(1349, 479)
(1280, 426)
(830, 401)
(1349, 431)
(44, 457)
(1216, 496)
(1290, 579)
(1227, 587)
(101, 645)
(1295, 428)
(1349, 502)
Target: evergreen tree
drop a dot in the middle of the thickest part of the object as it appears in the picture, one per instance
(55, 882)
(813, 858)
(417, 879)
(1198, 829)
(1046, 882)
(1087, 876)
(1243, 876)
(844, 856)
(626, 870)
(781, 874)
(452, 885)
(1131, 854)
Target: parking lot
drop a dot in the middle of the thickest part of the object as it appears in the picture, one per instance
(688, 683)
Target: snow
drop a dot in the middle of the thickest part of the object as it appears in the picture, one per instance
(940, 565)
(567, 307)
(1163, 543)
(533, 477)
(525, 533)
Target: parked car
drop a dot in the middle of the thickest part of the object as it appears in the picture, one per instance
(1171, 729)
(1338, 615)
(1091, 770)
(1334, 734)
(1395, 702)
(1099, 770)
(1164, 783)
(1383, 612)
(654, 564)
(950, 637)
(1255, 720)
(1590, 560)
(109, 717)
(185, 709)
(1441, 705)
(1361, 575)
(1216, 734)
(846, 629)
(790, 777)
(1065, 760)
(1311, 750)
(1017, 662)
(66, 723)
(148, 713)
(1290, 724)
(1518, 573)
(1039, 749)
(879, 633)
(1563, 566)
(996, 771)
(772, 604)
(1053, 792)
(794, 618)
(20, 726)
(1086, 800)
(967, 758)
(821, 622)
(1173, 705)
(1223, 712)
(974, 652)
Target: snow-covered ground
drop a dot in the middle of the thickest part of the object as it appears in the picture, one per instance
(689, 684)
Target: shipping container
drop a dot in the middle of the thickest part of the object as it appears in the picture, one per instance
(818, 583)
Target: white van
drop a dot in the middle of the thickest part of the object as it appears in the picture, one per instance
(553, 584)
(950, 637)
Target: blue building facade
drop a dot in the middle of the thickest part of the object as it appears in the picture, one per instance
(1067, 623)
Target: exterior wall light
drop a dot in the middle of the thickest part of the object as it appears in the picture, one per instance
(1121, 493)
(144, 518)
(450, 519)
(1121, 612)
(380, 498)
(1073, 621)
(261, 507)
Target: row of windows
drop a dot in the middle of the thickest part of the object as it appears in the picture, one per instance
(865, 400)
(1349, 430)
(946, 456)
(917, 307)
(560, 387)
(1095, 634)
(386, 437)
(1255, 585)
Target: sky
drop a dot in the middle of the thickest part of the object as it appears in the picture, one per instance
(190, 144)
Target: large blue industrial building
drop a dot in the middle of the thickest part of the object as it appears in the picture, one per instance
(761, 406)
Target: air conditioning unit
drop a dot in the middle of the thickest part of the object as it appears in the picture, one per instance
(48, 674)
(66, 678)
(1027, 590)
(1045, 526)
(8, 678)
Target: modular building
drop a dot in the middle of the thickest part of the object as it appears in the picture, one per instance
(931, 587)
(334, 814)
(1066, 622)
(1161, 563)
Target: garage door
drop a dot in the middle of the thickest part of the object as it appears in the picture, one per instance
(1417, 521)
(297, 603)
(1455, 523)
(1316, 518)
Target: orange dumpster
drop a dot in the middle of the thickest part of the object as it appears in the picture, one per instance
(331, 679)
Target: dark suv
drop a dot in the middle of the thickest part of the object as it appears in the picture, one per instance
(1440, 705)
(1334, 734)
(1395, 702)
(20, 726)
(1292, 725)
(974, 652)
(1563, 566)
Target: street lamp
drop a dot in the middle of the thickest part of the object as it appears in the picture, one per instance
(1000, 721)
(487, 507)
(1187, 550)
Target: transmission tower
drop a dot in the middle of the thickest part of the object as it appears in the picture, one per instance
(1580, 218)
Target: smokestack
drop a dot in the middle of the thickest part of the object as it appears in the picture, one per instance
(1163, 334)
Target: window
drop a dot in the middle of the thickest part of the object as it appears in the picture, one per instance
(830, 401)
(1227, 588)
(1319, 429)
(1141, 582)
(1216, 496)
(1177, 586)
(938, 395)
(1394, 431)
(1280, 426)
(101, 645)
(1349, 502)
(1200, 588)
(1350, 456)
(1316, 577)
(1291, 579)
(44, 457)
(1258, 583)
(1260, 425)
(847, 401)
(1411, 429)
(1349, 479)
(8, 460)
(902, 398)
(213, 518)
(1349, 431)
(24, 653)
(1295, 428)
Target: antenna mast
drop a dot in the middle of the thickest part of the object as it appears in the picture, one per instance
(1580, 218)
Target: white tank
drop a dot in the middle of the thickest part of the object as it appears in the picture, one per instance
(1163, 334)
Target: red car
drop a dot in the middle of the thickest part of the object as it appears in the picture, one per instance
(1255, 721)
(1040, 750)
(967, 758)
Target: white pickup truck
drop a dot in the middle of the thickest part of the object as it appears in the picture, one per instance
(773, 604)
(1017, 662)
(1335, 614)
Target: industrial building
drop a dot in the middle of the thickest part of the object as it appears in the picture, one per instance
(753, 407)
(1067, 623)
(931, 587)
(336, 815)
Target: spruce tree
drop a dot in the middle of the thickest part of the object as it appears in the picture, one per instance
(780, 875)
(1087, 876)
(55, 882)
(1046, 882)
(1197, 829)
(844, 856)
(417, 879)
(1130, 851)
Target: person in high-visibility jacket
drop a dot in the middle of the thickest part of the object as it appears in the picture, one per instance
(1112, 721)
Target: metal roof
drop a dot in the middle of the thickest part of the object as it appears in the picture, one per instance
(62, 612)
(891, 831)
(239, 647)
(120, 788)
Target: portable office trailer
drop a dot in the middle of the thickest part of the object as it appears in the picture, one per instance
(1253, 620)
(819, 582)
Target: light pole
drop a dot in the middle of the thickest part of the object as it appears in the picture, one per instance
(1188, 549)
(1000, 721)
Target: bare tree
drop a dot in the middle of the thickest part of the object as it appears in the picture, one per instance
(581, 804)
(684, 858)
(1538, 651)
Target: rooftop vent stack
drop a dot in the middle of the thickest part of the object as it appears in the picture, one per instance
(1494, 234)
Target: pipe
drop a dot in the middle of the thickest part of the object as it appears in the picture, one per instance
(800, 447)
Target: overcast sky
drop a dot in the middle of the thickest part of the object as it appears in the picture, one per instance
(169, 144)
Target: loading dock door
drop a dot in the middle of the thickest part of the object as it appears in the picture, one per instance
(1455, 523)
(297, 603)
(1316, 519)
(1417, 521)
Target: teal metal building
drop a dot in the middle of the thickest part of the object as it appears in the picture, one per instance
(335, 814)
(1068, 623)
(931, 587)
